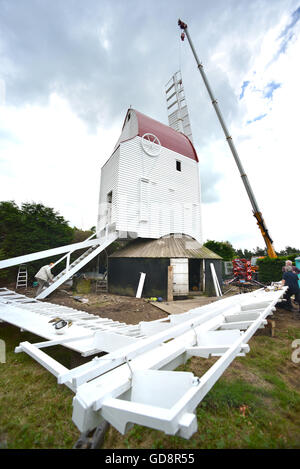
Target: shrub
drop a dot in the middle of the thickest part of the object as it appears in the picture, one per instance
(270, 270)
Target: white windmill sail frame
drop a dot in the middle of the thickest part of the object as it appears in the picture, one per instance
(178, 115)
(134, 381)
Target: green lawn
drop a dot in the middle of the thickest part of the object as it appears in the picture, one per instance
(255, 404)
(35, 412)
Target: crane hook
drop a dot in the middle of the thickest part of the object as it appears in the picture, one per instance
(183, 26)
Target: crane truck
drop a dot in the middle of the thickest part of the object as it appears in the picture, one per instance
(256, 212)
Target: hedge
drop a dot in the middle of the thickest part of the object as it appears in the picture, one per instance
(270, 270)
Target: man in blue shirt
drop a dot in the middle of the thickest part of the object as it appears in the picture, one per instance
(290, 279)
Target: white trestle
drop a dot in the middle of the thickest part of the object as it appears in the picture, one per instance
(134, 382)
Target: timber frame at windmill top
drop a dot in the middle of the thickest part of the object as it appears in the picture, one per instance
(133, 382)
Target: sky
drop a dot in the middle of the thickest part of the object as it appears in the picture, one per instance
(70, 69)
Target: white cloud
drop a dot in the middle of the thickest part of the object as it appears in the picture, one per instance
(269, 150)
(53, 159)
(59, 79)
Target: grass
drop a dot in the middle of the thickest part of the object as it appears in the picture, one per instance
(34, 411)
(235, 414)
(255, 404)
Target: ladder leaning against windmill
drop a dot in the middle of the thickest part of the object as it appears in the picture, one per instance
(95, 246)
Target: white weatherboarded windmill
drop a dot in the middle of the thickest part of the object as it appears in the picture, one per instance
(150, 191)
(150, 186)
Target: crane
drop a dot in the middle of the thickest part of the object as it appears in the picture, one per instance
(256, 212)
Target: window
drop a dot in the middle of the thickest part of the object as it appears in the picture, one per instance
(109, 206)
(109, 197)
(178, 165)
(144, 199)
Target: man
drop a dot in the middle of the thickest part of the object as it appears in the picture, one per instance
(294, 268)
(290, 279)
(44, 277)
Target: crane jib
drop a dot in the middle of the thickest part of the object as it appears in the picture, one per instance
(256, 211)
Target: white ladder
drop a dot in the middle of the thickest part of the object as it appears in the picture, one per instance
(22, 277)
(76, 265)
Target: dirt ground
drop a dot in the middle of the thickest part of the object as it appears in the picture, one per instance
(133, 310)
(118, 308)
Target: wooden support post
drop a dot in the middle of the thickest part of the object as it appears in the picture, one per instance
(203, 276)
(269, 329)
(271, 324)
(170, 283)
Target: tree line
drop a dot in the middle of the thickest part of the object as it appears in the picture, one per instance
(33, 227)
(30, 228)
(226, 250)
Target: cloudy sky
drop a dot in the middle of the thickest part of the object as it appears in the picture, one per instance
(69, 70)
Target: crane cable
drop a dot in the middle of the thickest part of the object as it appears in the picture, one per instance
(179, 54)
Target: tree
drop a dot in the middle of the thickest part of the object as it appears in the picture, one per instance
(246, 254)
(81, 235)
(289, 250)
(222, 248)
(239, 254)
(44, 228)
(10, 217)
(31, 228)
(259, 252)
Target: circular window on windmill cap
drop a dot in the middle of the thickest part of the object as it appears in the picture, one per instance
(151, 144)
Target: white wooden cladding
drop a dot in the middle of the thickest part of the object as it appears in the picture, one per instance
(150, 196)
(109, 183)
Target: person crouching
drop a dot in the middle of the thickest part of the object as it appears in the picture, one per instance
(44, 277)
(290, 279)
